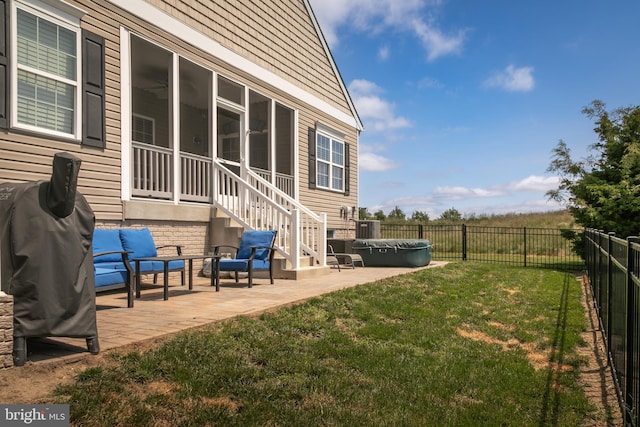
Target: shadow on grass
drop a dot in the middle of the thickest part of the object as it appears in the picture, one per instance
(551, 400)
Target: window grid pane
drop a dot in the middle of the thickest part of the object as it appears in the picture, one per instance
(142, 130)
(323, 174)
(46, 46)
(323, 152)
(336, 177)
(337, 152)
(45, 103)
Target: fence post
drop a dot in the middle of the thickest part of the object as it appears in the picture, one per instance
(464, 242)
(600, 280)
(524, 230)
(609, 307)
(630, 374)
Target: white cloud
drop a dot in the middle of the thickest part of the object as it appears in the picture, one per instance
(436, 43)
(531, 183)
(512, 79)
(383, 53)
(362, 87)
(370, 159)
(535, 183)
(496, 199)
(429, 83)
(464, 193)
(373, 109)
(520, 207)
(375, 16)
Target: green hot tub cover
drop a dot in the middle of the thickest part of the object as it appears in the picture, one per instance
(393, 252)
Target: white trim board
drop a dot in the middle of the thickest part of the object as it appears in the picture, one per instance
(159, 18)
(333, 63)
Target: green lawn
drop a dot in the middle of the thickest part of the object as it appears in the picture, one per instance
(465, 345)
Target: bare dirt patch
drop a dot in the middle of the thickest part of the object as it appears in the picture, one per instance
(538, 359)
(36, 382)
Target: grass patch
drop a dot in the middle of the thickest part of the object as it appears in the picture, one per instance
(467, 344)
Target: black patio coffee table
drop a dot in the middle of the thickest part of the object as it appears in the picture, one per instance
(166, 260)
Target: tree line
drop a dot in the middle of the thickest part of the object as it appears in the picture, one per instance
(398, 215)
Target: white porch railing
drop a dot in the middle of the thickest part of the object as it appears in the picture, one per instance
(152, 171)
(283, 182)
(153, 174)
(258, 205)
(196, 176)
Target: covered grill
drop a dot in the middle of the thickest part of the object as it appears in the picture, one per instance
(46, 261)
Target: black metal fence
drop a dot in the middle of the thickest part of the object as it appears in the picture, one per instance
(535, 247)
(613, 267)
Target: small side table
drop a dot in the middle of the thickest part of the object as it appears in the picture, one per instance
(166, 260)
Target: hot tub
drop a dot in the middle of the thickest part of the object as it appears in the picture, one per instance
(393, 252)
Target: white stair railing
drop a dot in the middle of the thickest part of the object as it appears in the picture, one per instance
(257, 204)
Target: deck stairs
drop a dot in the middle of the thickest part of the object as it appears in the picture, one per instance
(225, 231)
(253, 203)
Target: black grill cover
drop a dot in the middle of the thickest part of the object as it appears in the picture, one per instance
(46, 228)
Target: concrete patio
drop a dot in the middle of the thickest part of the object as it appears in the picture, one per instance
(152, 317)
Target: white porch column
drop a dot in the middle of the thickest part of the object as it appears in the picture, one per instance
(295, 239)
(322, 239)
(174, 126)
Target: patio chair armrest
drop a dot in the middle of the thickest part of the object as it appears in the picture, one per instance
(216, 248)
(255, 248)
(178, 248)
(125, 254)
(125, 258)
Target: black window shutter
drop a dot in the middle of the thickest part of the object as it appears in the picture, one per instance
(93, 92)
(312, 158)
(347, 169)
(4, 64)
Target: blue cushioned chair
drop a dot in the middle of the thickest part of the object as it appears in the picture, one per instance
(255, 253)
(111, 266)
(140, 244)
(115, 252)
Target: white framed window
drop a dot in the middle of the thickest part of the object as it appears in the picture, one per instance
(46, 90)
(330, 161)
(230, 90)
(143, 129)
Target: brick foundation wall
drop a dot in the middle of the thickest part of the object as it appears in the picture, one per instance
(6, 330)
(192, 236)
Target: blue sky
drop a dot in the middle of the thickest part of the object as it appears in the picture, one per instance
(463, 101)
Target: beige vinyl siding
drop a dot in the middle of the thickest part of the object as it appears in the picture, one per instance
(278, 35)
(101, 168)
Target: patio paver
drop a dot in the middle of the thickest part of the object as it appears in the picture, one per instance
(152, 317)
